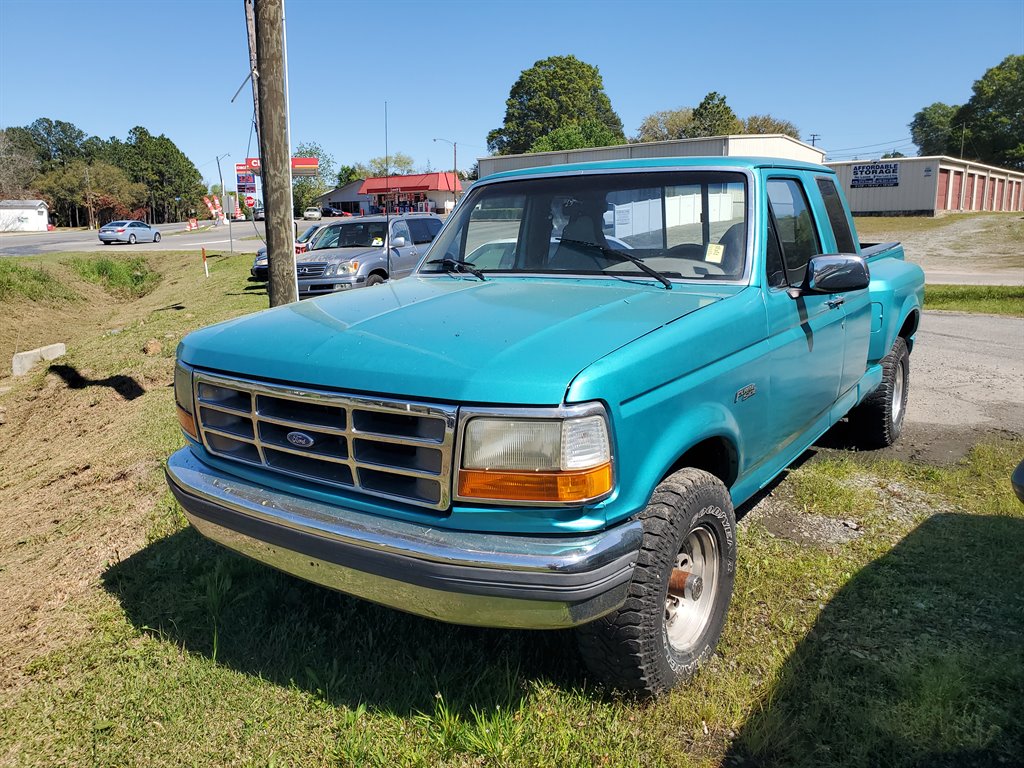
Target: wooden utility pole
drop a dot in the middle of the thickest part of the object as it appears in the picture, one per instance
(275, 154)
(250, 28)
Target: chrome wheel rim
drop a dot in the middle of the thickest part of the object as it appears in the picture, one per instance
(897, 392)
(686, 617)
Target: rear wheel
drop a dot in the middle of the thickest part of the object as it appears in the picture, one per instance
(374, 280)
(156, 237)
(131, 239)
(878, 421)
(679, 594)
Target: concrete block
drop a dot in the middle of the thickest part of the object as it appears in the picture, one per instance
(23, 361)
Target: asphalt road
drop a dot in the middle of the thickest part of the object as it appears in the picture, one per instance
(174, 237)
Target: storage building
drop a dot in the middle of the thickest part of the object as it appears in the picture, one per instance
(927, 186)
(746, 145)
(24, 215)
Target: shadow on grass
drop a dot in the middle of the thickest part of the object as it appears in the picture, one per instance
(917, 661)
(256, 620)
(125, 386)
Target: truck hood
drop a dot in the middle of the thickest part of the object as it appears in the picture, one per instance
(506, 340)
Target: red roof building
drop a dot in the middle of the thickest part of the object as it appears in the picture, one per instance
(416, 192)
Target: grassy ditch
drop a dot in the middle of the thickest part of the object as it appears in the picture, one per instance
(20, 282)
(127, 277)
(987, 299)
(877, 616)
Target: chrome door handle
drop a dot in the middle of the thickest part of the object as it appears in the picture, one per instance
(834, 303)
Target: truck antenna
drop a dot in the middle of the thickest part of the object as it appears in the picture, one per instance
(387, 192)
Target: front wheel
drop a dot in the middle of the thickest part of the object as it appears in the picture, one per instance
(679, 594)
(156, 237)
(131, 239)
(374, 280)
(878, 421)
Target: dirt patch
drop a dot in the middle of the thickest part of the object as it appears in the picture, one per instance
(922, 443)
(983, 242)
(780, 519)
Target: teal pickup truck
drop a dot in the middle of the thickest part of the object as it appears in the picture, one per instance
(549, 423)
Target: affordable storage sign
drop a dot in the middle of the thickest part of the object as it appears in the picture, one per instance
(876, 175)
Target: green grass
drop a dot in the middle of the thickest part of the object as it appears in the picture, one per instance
(987, 299)
(902, 647)
(32, 283)
(127, 277)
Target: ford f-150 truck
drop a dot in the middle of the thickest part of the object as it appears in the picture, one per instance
(550, 423)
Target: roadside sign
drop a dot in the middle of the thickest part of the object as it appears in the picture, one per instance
(250, 201)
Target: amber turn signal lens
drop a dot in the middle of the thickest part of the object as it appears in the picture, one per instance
(563, 487)
(188, 423)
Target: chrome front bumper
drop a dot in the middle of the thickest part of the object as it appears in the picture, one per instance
(483, 579)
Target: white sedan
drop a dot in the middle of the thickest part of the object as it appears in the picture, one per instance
(131, 232)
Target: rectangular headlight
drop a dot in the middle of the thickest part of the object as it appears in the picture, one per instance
(183, 400)
(564, 460)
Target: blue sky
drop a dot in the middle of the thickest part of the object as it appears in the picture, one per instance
(853, 73)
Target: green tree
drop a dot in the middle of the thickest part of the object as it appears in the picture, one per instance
(306, 189)
(589, 133)
(892, 155)
(18, 167)
(931, 129)
(348, 173)
(769, 124)
(713, 117)
(398, 164)
(665, 125)
(994, 115)
(552, 93)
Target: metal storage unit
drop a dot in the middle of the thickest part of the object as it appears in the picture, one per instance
(926, 186)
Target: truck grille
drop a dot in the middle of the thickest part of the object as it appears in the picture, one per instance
(394, 449)
(311, 270)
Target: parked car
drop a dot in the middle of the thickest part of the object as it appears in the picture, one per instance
(312, 214)
(258, 214)
(557, 438)
(128, 232)
(260, 269)
(334, 212)
(362, 251)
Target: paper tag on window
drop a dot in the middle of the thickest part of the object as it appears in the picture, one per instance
(377, 242)
(714, 253)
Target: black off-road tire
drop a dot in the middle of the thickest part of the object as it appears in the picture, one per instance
(374, 280)
(878, 421)
(631, 649)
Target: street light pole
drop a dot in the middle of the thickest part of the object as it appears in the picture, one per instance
(455, 168)
(224, 194)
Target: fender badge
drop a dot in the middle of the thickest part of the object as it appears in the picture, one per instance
(744, 394)
(300, 439)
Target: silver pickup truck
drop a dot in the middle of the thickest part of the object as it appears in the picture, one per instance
(363, 251)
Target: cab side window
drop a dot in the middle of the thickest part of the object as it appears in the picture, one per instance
(794, 225)
(836, 216)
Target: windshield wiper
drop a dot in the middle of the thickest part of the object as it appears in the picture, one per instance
(623, 255)
(458, 265)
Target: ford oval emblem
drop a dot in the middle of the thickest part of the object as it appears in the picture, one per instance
(300, 439)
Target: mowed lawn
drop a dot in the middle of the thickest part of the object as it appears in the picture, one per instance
(878, 617)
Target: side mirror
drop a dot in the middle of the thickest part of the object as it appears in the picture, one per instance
(836, 273)
(398, 242)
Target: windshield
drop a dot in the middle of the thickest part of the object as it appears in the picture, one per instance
(305, 236)
(117, 224)
(354, 234)
(683, 224)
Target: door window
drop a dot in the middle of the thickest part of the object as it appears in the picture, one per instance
(794, 226)
(423, 230)
(399, 229)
